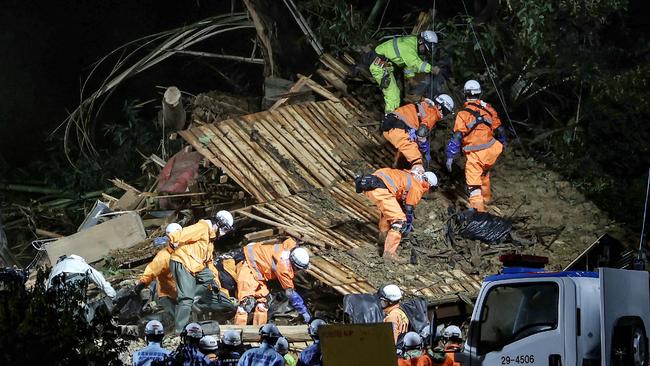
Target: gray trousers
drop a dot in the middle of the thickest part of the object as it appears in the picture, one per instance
(188, 287)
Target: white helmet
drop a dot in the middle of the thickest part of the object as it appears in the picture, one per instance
(299, 257)
(472, 87)
(224, 220)
(431, 178)
(282, 346)
(392, 293)
(446, 103)
(173, 227)
(231, 338)
(208, 343)
(452, 331)
(430, 38)
(412, 340)
(194, 330)
(154, 327)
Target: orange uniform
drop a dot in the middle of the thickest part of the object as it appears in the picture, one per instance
(476, 123)
(158, 269)
(402, 188)
(422, 360)
(397, 123)
(451, 350)
(264, 262)
(399, 320)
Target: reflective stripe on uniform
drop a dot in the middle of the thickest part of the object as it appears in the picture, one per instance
(423, 67)
(409, 183)
(479, 147)
(421, 111)
(473, 124)
(388, 179)
(276, 249)
(251, 260)
(395, 47)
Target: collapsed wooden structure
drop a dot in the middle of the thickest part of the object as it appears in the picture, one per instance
(299, 162)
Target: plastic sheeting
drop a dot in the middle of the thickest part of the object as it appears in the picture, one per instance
(482, 226)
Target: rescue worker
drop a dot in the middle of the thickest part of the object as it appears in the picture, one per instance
(403, 52)
(231, 348)
(432, 350)
(192, 265)
(413, 354)
(396, 193)
(282, 346)
(312, 356)
(475, 129)
(158, 269)
(187, 353)
(208, 345)
(407, 128)
(70, 269)
(389, 298)
(453, 342)
(265, 354)
(263, 263)
(153, 334)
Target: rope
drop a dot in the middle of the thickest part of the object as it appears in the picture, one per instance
(645, 211)
(487, 68)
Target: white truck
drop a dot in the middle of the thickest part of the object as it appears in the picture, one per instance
(528, 316)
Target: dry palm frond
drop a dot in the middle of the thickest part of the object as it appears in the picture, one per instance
(77, 125)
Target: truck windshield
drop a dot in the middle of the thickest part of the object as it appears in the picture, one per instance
(515, 311)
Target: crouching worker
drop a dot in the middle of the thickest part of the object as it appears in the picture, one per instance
(72, 270)
(408, 127)
(396, 193)
(153, 334)
(263, 263)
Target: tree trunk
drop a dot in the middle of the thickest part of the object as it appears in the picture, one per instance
(262, 27)
(6, 259)
(173, 113)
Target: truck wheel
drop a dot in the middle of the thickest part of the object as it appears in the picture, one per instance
(630, 346)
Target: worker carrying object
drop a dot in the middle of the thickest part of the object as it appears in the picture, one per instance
(263, 263)
(408, 128)
(192, 264)
(389, 298)
(479, 134)
(403, 52)
(396, 193)
(158, 270)
(153, 334)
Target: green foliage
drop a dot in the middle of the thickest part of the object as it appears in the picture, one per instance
(39, 327)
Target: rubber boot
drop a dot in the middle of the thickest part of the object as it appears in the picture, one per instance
(241, 318)
(390, 247)
(260, 317)
(476, 200)
(486, 191)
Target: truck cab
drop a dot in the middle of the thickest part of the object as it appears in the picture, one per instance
(527, 316)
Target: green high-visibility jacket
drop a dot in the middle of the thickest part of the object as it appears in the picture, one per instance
(403, 52)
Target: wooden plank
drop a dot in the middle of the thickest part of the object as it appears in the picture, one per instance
(262, 234)
(322, 91)
(296, 87)
(331, 78)
(96, 242)
(316, 154)
(336, 135)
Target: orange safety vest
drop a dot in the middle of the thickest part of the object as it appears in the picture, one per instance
(270, 262)
(477, 122)
(158, 269)
(403, 185)
(420, 113)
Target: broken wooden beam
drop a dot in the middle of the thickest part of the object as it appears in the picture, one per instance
(251, 333)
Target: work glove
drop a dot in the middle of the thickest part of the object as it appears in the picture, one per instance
(306, 317)
(412, 134)
(449, 163)
(161, 241)
(425, 149)
(138, 288)
(435, 70)
(503, 140)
